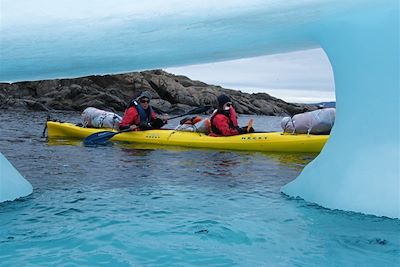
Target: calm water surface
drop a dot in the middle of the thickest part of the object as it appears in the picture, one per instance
(125, 205)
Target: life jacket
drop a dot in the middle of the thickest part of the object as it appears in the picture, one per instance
(231, 124)
(144, 115)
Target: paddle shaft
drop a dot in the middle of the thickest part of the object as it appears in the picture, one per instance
(193, 111)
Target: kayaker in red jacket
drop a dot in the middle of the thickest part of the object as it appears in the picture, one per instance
(224, 119)
(140, 115)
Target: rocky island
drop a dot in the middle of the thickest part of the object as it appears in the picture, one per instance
(172, 94)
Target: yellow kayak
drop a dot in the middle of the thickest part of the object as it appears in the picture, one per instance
(267, 142)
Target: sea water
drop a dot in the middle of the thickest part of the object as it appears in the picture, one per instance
(129, 205)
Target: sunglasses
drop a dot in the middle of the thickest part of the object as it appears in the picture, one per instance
(144, 101)
(228, 104)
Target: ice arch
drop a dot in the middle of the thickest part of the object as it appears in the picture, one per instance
(12, 184)
(359, 168)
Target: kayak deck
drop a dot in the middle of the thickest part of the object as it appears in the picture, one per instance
(271, 142)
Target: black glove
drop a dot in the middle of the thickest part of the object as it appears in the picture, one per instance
(145, 126)
(157, 123)
(242, 130)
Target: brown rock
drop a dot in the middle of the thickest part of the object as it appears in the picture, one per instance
(171, 94)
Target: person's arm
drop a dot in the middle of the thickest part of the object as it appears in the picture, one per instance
(233, 116)
(157, 121)
(130, 119)
(153, 115)
(222, 123)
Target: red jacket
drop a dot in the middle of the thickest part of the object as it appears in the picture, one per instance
(131, 116)
(226, 125)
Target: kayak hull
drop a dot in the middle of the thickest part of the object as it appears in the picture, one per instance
(268, 142)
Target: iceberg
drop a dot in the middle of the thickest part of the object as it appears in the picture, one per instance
(358, 170)
(12, 184)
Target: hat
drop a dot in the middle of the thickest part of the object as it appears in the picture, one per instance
(144, 94)
(222, 100)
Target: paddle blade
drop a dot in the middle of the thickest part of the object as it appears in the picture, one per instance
(98, 138)
(250, 124)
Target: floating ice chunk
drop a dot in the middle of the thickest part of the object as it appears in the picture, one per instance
(12, 184)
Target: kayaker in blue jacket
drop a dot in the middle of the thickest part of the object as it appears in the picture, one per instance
(140, 115)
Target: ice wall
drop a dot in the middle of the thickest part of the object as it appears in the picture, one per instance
(359, 168)
(12, 184)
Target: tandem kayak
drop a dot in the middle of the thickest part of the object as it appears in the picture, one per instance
(267, 142)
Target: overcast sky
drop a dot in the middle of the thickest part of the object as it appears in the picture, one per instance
(302, 76)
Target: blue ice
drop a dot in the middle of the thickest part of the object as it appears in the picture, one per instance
(12, 184)
(358, 170)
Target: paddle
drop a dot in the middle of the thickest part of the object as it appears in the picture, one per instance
(250, 124)
(193, 111)
(100, 138)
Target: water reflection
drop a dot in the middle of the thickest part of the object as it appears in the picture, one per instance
(294, 160)
(222, 160)
(55, 141)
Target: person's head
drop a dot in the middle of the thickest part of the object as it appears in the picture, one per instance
(224, 103)
(144, 99)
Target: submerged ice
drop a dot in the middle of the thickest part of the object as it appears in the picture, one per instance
(358, 170)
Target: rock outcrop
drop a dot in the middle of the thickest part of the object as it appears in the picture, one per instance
(171, 93)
